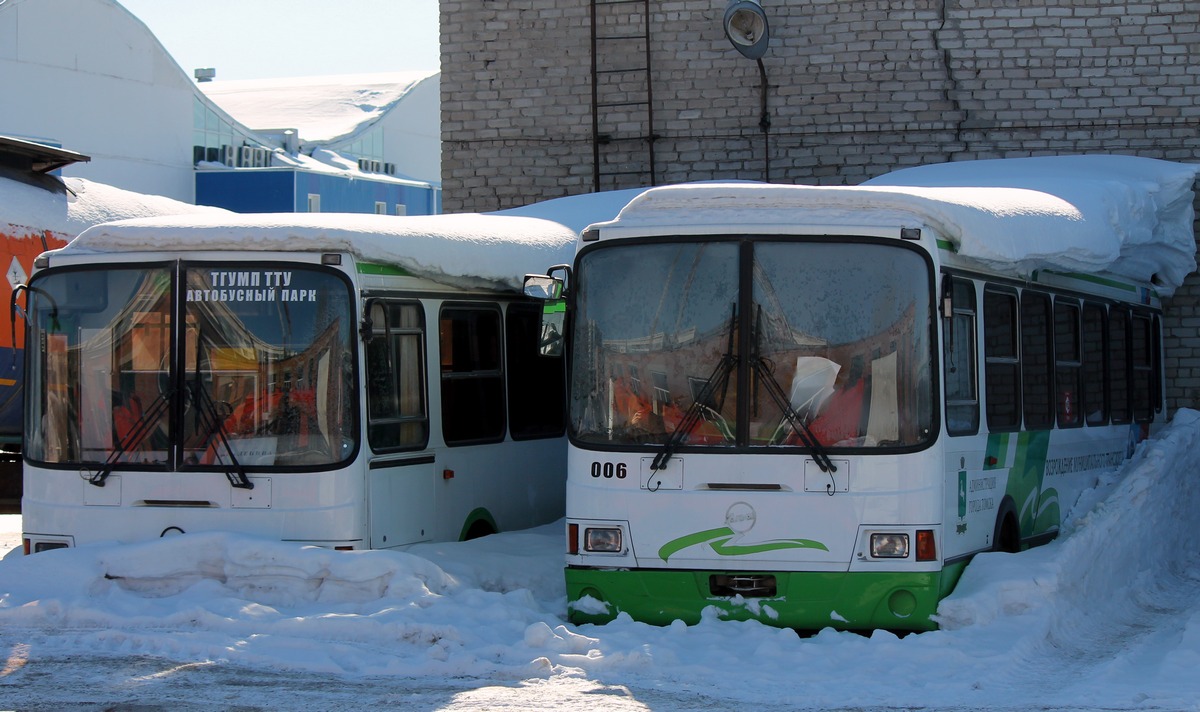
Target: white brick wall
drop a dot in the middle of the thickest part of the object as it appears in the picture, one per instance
(856, 88)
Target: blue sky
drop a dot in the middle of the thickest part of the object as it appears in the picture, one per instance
(259, 39)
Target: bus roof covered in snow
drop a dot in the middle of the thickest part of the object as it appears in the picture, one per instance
(442, 248)
(1127, 216)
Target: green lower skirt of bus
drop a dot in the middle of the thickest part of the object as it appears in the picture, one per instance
(804, 600)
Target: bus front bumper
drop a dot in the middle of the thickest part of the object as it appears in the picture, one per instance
(802, 600)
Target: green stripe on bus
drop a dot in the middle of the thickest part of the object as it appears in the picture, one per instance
(1025, 477)
(996, 455)
(386, 270)
(555, 307)
(1094, 279)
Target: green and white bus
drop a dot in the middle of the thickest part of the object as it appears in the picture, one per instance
(347, 381)
(811, 406)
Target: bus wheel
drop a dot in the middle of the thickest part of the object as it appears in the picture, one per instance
(1007, 535)
(479, 528)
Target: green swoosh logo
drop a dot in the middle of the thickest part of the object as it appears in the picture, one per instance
(683, 542)
(719, 539)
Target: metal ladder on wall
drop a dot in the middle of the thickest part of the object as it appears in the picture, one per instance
(622, 97)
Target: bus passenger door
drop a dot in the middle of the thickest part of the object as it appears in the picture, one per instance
(400, 501)
(401, 484)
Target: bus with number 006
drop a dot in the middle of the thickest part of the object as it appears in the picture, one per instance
(811, 406)
(347, 381)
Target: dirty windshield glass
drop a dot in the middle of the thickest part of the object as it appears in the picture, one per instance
(829, 335)
(246, 367)
(655, 323)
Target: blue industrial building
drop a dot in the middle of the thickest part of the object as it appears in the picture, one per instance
(360, 143)
(286, 190)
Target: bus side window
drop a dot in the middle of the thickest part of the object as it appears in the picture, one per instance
(1144, 383)
(1118, 365)
(1037, 377)
(1156, 360)
(396, 406)
(962, 395)
(1067, 363)
(1095, 360)
(1002, 374)
(536, 385)
(472, 374)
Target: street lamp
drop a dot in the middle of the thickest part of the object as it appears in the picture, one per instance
(746, 27)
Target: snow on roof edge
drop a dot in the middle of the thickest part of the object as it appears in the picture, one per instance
(1129, 216)
(325, 109)
(462, 250)
(80, 204)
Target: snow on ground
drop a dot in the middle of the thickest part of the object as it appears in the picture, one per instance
(1107, 616)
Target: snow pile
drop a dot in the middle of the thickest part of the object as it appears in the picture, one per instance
(1129, 215)
(466, 250)
(82, 204)
(1107, 616)
(578, 211)
(1125, 215)
(325, 157)
(1120, 539)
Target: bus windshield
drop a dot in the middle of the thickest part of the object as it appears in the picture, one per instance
(753, 343)
(191, 366)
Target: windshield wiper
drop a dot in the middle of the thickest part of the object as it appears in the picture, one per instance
(212, 422)
(767, 378)
(718, 380)
(141, 428)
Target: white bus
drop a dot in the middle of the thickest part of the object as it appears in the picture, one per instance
(347, 381)
(812, 406)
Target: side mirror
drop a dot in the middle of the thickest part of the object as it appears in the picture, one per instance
(551, 291)
(554, 316)
(543, 287)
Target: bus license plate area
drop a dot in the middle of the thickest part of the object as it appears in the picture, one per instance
(744, 585)
(817, 480)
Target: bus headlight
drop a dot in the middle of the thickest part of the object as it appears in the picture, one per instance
(606, 539)
(889, 546)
